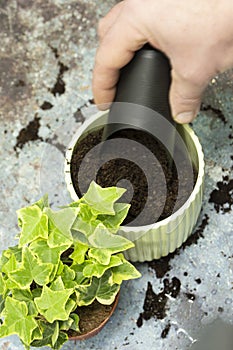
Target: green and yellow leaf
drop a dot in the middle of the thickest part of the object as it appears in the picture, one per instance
(45, 253)
(113, 222)
(34, 224)
(102, 238)
(17, 321)
(78, 255)
(52, 304)
(101, 289)
(60, 223)
(50, 336)
(31, 269)
(101, 200)
(124, 272)
(96, 269)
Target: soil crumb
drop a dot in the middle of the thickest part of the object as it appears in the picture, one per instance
(222, 197)
(46, 105)
(219, 114)
(155, 304)
(29, 133)
(190, 296)
(166, 330)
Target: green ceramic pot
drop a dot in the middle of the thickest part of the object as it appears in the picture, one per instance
(165, 236)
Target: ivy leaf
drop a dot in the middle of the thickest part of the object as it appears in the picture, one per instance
(68, 276)
(2, 305)
(101, 289)
(86, 221)
(79, 236)
(65, 325)
(37, 334)
(71, 305)
(57, 284)
(124, 272)
(2, 284)
(60, 224)
(10, 265)
(79, 252)
(43, 202)
(106, 291)
(80, 279)
(96, 269)
(75, 324)
(48, 255)
(26, 295)
(49, 332)
(52, 304)
(102, 238)
(31, 269)
(71, 323)
(107, 244)
(34, 224)
(55, 334)
(85, 212)
(36, 292)
(65, 280)
(45, 253)
(6, 255)
(17, 321)
(101, 200)
(62, 338)
(113, 222)
(84, 227)
(103, 256)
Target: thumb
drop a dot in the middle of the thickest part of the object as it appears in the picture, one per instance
(185, 97)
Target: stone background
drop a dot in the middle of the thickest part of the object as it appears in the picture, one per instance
(46, 58)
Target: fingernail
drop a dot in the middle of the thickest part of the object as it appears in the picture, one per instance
(185, 117)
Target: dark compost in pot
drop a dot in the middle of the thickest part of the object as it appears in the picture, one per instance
(117, 169)
(92, 319)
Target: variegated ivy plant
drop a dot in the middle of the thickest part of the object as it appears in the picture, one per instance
(64, 259)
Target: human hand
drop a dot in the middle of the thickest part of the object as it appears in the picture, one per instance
(197, 37)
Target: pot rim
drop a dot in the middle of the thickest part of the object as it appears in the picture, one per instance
(96, 330)
(179, 212)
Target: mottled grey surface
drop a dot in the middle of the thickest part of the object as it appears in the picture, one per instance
(46, 59)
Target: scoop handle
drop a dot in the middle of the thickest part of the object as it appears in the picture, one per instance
(146, 81)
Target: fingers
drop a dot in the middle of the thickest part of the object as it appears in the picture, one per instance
(185, 97)
(116, 49)
(106, 22)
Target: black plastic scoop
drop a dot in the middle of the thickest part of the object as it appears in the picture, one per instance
(142, 98)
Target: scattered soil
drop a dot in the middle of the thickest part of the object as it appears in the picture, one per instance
(198, 280)
(119, 169)
(91, 317)
(162, 265)
(78, 116)
(59, 86)
(155, 304)
(190, 296)
(29, 133)
(219, 114)
(222, 197)
(198, 233)
(166, 330)
(46, 105)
